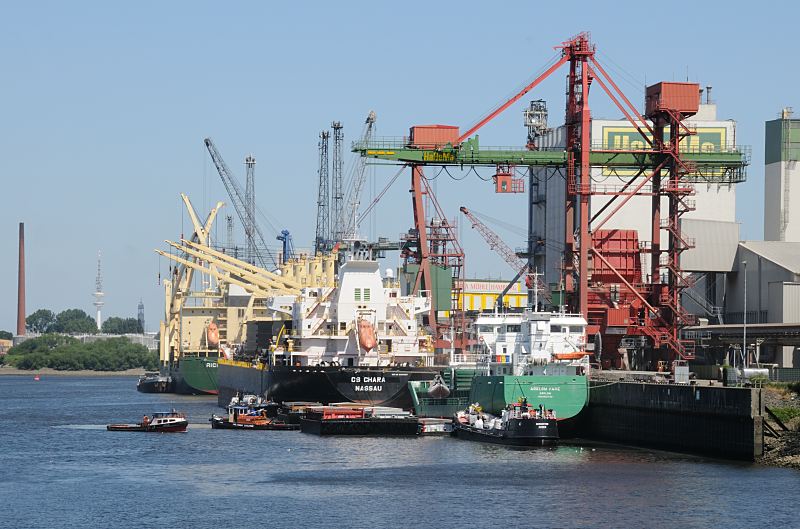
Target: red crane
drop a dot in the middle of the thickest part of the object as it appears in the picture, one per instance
(509, 256)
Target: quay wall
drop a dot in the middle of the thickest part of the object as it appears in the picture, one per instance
(712, 420)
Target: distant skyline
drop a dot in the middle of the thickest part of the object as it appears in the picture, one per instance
(105, 107)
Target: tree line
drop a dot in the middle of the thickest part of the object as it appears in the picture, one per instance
(66, 353)
(77, 321)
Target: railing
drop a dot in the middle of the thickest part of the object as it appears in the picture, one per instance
(402, 142)
(467, 358)
(643, 147)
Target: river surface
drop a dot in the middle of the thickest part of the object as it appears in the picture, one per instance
(60, 468)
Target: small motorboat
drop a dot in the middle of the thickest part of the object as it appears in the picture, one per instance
(154, 382)
(519, 425)
(165, 421)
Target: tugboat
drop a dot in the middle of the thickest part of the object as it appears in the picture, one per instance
(165, 421)
(256, 417)
(154, 382)
(519, 425)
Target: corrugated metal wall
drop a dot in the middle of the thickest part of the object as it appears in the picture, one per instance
(791, 302)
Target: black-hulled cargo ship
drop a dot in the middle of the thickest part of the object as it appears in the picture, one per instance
(376, 386)
(361, 341)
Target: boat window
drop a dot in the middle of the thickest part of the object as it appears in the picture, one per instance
(555, 328)
(342, 325)
(357, 294)
(366, 294)
(513, 328)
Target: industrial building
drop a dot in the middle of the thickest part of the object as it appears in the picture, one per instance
(782, 179)
(713, 218)
(750, 290)
(481, 294)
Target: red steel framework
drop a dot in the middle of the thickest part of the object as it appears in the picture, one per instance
(436, 244)
(616, 301)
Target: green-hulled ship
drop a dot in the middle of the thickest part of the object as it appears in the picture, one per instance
(538, 356)
(216, 306)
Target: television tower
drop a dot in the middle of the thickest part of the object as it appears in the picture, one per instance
(98, 293)
(140, 316)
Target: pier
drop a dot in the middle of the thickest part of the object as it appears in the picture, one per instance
(712, 420)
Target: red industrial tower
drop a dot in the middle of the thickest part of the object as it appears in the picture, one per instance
(603, 276)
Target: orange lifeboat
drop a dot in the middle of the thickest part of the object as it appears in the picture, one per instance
(212, 335)
(575, 355)
(366, 335)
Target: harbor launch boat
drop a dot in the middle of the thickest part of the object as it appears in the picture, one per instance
(518, 425)
(165, 421)
(245, 418)
(251, 412)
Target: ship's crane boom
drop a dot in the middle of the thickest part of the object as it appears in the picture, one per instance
(288, 245)
(503, 250)
(245, 214)
(357, 182)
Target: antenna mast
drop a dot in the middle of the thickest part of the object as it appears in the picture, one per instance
(98, 293)
(337, 195)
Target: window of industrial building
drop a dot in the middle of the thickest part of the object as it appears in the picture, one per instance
(358, 294)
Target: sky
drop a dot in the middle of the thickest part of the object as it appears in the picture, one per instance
(104, 107)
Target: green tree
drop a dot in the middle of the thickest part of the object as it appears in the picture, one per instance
(74, 321)
(41, 321)
(42, 344)
(5, 335)
(69, 354)
(115, 325)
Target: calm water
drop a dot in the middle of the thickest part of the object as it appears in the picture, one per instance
(61, 468)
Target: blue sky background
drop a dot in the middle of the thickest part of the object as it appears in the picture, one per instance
(105, 106)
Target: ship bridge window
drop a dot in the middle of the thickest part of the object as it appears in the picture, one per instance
(512, 328)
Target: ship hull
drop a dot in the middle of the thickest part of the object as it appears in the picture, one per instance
(526, 432)
(195, 376)
(374, 386)
(567, 395)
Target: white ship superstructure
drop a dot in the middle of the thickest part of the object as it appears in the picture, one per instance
(531, 342)
(364, 321)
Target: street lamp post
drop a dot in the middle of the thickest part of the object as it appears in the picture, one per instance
(744, 319)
